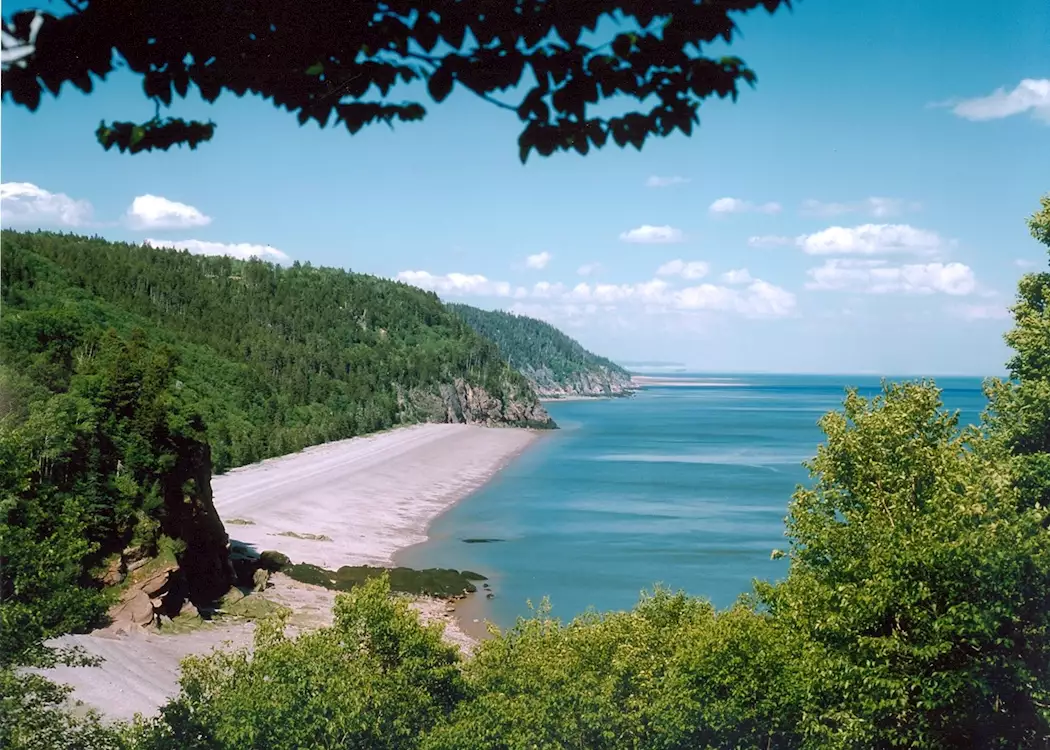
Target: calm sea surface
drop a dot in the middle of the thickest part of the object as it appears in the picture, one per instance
(687, 486)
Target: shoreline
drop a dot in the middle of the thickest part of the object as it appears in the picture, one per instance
(360, 501)
(466, 615)
(581, 397)
(352, 502)
(641, 382)
(463, 617)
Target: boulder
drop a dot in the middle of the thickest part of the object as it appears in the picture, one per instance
(135, 608)
(274, 561)
(158, 582)
(260, 580)
(231, 597)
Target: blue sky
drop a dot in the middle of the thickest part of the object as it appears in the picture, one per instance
(874, 186)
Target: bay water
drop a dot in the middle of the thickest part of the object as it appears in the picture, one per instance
(684, 484)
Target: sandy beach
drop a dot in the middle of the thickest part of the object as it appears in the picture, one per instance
(352, 502)
(361, 499)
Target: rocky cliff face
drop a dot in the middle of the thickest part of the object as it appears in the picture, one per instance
(597, 382)
(463, 402)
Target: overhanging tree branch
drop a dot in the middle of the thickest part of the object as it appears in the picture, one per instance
(319, 58)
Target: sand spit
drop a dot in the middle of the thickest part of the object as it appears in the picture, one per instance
(353, 502)
(641, 381)
(358, 501)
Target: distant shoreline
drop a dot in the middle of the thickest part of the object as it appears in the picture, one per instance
(667, 381)
(580, 397)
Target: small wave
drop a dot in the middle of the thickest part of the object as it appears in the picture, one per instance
(753, 460)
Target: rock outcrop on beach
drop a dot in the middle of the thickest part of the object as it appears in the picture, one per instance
(187, 563)
(555, 365)
(190, 517)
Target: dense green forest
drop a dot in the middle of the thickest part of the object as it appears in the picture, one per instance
(127, 374)
(555, 364)
(274, 359)
(913, 615)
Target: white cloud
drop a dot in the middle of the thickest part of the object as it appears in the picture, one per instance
(155, 212)
(588, 269)
(1030, 95)
(759, 300)
(659, 182)
(1025, 263)
(692, 269)
(878, 207)
(981, 312)
(648, 234)
(456, 284)
(539, 260)
(545, 290)
(769, 240)
(876, 277)
(737, 206)
(869, 239)
(737, 276)
(748, 297)
(242, 250)
(24, 203)
(646, 292)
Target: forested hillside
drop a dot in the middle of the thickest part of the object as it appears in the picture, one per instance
(127, 374)
(273, 358)
(554, 363)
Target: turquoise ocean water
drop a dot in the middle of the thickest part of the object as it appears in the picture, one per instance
(687, 486)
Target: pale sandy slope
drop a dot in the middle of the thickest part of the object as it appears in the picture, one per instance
(371, 496)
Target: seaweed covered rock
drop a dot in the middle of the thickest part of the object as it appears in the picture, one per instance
(274, 561)
(437, 582)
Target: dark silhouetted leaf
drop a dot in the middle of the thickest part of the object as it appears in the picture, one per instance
(297, 56)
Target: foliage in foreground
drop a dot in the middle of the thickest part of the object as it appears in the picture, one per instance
(342, 62)
(34, 716)
(376, 678)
